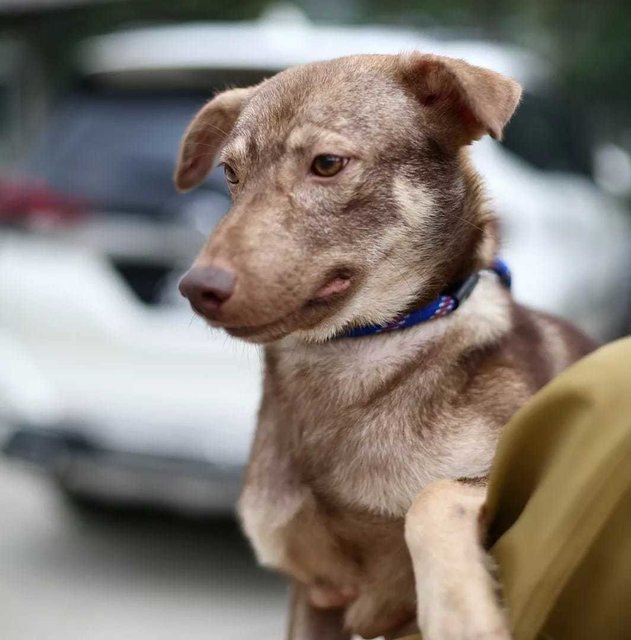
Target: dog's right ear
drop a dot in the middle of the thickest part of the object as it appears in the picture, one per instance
(461, 102)
(205, 136)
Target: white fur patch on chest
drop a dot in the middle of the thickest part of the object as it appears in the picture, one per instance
(389, 474)
(264, 521)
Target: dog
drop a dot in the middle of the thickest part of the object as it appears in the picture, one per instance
(355, 207)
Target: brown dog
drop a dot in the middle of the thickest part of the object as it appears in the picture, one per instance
(354, 203)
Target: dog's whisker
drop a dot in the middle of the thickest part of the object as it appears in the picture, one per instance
(475, 226)
(213, 127)
(199, 143)
(412, 286)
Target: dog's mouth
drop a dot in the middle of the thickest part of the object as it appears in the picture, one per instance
(335, 286)
(326, 299)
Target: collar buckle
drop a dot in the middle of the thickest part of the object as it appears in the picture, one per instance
(465, 289)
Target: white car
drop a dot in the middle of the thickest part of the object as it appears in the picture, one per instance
(107, 381)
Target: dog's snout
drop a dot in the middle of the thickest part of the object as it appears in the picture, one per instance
(207, 288)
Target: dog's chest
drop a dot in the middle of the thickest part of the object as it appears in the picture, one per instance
(379, 458)
(369, 431)
(363, 440)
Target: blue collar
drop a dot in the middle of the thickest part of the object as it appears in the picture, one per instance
(443, 305)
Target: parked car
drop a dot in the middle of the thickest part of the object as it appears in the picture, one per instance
(107, 382)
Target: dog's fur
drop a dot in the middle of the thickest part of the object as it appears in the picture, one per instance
(352, 430)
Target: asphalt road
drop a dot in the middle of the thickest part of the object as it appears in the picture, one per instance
(71, 575)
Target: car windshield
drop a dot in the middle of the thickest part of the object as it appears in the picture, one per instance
(117, 149)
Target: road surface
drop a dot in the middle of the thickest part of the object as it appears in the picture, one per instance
(68, 575)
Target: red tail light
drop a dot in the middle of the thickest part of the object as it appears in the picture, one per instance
(34, 204)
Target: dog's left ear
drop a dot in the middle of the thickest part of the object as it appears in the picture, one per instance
(461, 102)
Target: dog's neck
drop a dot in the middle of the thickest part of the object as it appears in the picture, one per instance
(445, 304)
(352, 371)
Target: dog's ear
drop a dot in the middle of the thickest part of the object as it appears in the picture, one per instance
(205, 136)
(462, 102)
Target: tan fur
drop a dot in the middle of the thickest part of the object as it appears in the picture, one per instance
(352, 430)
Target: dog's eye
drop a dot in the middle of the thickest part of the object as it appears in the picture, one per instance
(327, 165)
(230, 174)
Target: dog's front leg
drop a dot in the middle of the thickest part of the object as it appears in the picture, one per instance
(307, 622)
(457, 596)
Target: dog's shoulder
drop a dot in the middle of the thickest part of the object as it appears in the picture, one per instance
(542, 345)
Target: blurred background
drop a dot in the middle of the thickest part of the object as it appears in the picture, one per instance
(124, 422)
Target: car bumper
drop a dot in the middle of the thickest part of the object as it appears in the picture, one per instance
(92, 471)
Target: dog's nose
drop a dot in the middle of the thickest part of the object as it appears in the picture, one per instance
(207, 288)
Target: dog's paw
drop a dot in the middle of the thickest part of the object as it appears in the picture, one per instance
(450, 629)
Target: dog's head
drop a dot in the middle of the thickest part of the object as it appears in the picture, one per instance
(351, 196)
